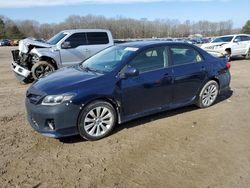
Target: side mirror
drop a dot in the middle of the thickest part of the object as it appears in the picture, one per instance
(237, 40)
(130, 72)
(66, 45)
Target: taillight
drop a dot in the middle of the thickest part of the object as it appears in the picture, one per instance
(228, 65)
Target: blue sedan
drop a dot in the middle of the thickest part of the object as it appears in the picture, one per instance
(124, 82)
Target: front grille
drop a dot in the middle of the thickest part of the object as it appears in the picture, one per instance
(15, 55)
(209, 47)
(34, 95)
(33, 98)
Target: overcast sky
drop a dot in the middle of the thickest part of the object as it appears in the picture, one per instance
(48, 11)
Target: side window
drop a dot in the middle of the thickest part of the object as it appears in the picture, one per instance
(245, 38)
(184, 55)
(97, 38)
(150, 60)
(238, 38)
(77, 39)
(248, 38)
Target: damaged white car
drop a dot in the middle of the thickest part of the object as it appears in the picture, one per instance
(230, 45)
(34, 58)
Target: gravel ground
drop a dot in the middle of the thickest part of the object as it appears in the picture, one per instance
(187, 147)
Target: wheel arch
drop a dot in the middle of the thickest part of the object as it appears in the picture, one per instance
(228, 50)
(197, 100)
(215, 78)
(110, 100)
(50, 60)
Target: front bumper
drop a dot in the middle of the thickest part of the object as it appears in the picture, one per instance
(20, 72)
(64, 118)
(220, 53)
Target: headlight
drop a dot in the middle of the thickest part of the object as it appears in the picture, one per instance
(217, 47)
(57, 99)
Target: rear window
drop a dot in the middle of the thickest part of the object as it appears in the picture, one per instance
(245, 38)
(97, 38)
(184, 55)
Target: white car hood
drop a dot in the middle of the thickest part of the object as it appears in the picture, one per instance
(209, 45)
(24, 45)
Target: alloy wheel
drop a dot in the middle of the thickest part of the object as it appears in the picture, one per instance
(42, 70)
(98, 121)
(209, 95)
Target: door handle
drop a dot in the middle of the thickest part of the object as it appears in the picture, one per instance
(202, 68)
(166, 75)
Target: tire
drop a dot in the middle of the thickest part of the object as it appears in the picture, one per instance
(208, 94)
(97, 120)
(248, 54)
(41, 68)
(228, 54)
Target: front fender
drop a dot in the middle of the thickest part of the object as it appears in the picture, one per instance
(52, 53)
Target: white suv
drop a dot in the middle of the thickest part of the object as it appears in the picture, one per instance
(231, 45)
(35, 58)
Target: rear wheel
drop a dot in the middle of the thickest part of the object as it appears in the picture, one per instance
(208, 94)
(248, 54)
(97, 120)
(41, 68)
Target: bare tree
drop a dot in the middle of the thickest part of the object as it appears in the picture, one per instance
(122, 27)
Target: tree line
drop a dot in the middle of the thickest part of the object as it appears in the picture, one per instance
(121, 28)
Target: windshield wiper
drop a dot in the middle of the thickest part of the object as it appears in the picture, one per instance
(87, 69)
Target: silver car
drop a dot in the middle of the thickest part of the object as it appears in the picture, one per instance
(35, 58)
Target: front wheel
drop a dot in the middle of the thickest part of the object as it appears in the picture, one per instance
(41, 68)
(228, 54)
(208, 94)
(97, 120)
(248, 54)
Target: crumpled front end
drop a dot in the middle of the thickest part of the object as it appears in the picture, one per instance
(215, 48)
(21, 67)
(23, 60)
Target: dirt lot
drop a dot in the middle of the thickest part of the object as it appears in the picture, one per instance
(188, 147)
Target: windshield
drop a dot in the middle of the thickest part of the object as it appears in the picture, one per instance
(55, 39)
(108, 59)
(222, 39)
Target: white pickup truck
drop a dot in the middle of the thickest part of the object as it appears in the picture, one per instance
(230, 45)
(34, 58)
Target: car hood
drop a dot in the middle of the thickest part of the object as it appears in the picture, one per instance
(25, 43)
(68, 78)
(211, 45)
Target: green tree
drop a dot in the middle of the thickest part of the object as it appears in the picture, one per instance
(246, 28)
(2, 29)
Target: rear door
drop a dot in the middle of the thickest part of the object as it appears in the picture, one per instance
(152, 88)
(97, 41)
(189, 73)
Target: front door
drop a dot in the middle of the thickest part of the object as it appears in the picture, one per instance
(152, 88)
(75, 52)
(239, 46)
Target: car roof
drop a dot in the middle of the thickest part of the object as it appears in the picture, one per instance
(233, 35)
(84, 30)
(142, 44)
